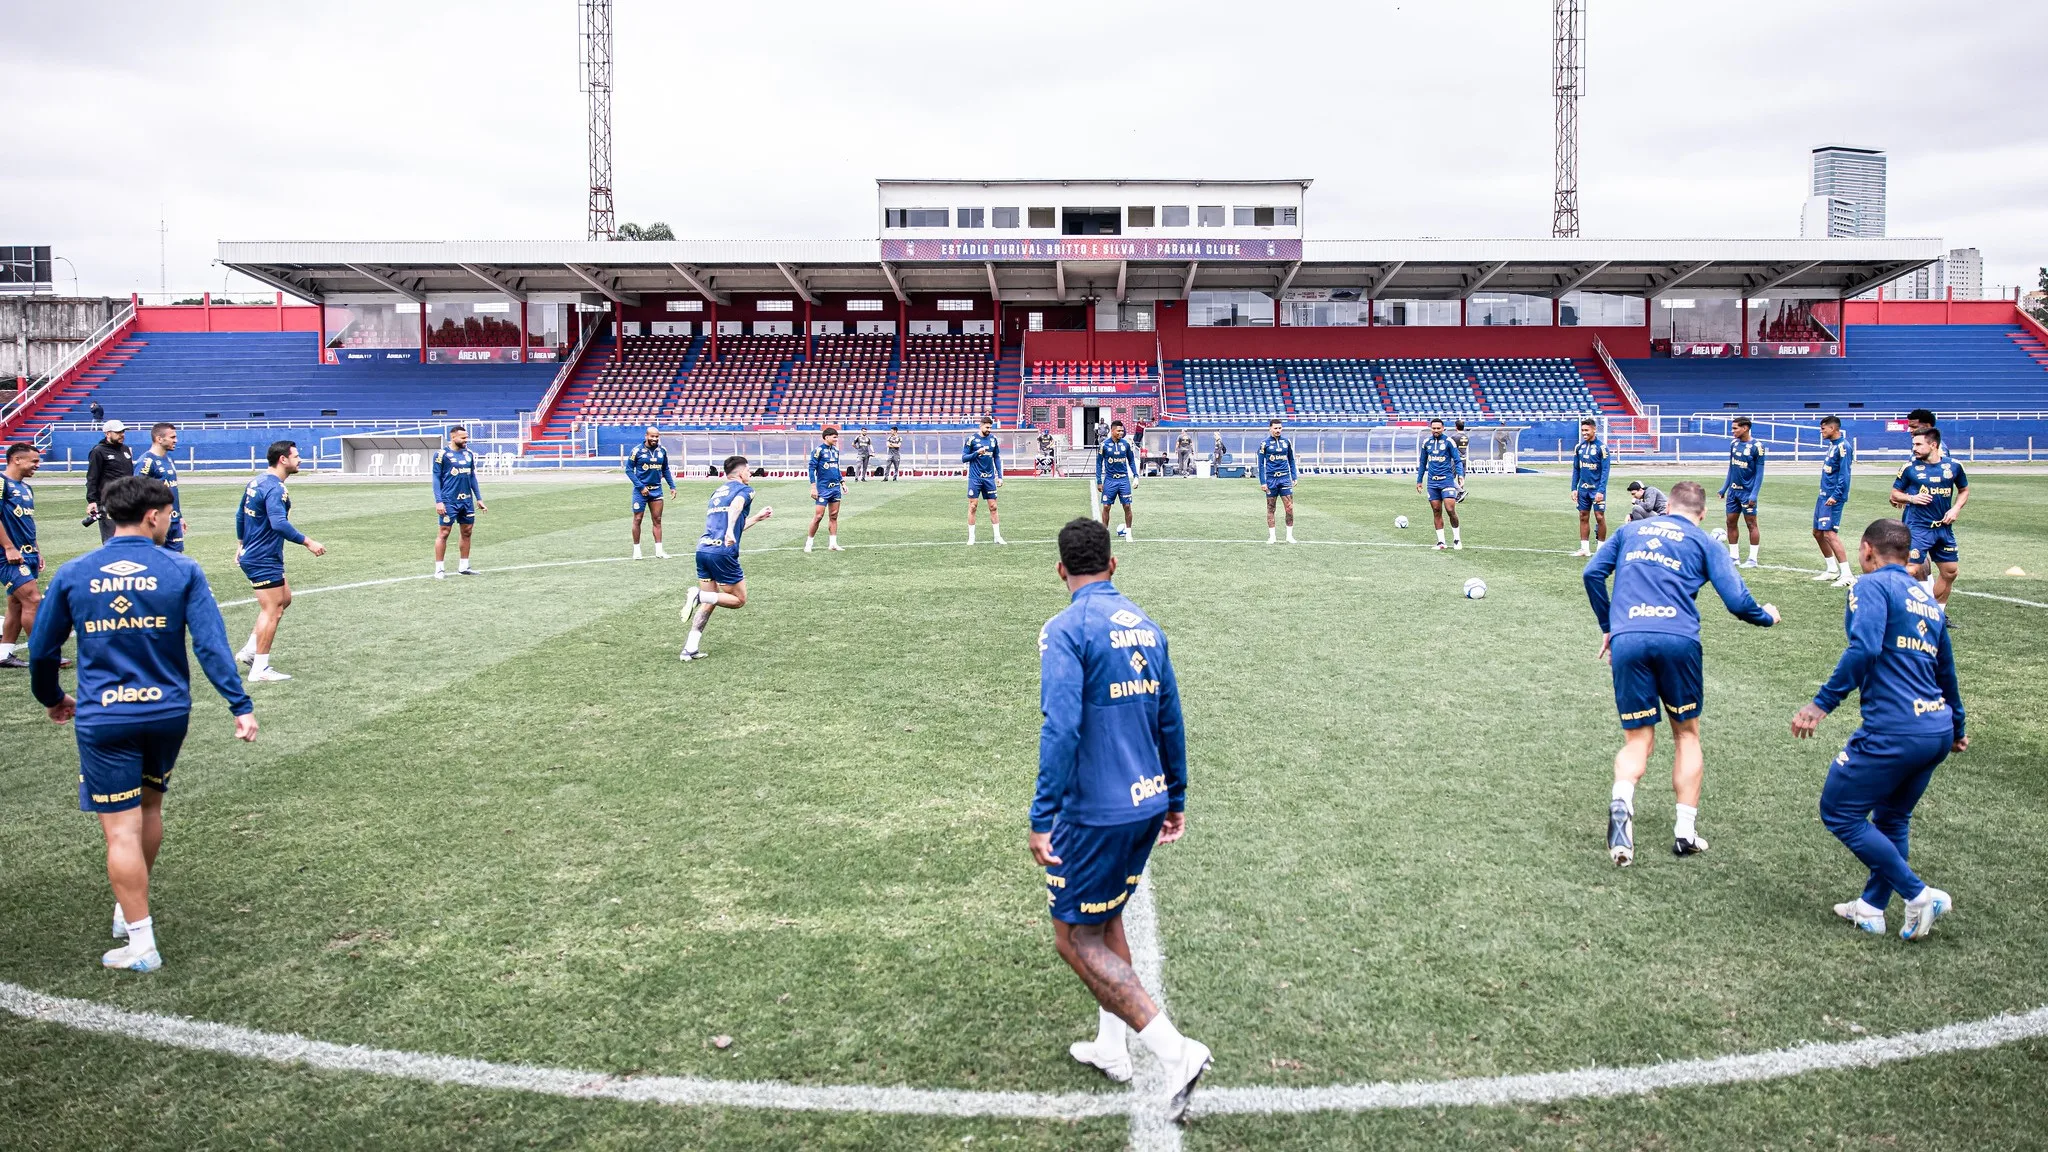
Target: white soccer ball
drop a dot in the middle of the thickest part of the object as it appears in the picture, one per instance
(1400, 521)
(1475, 589)
(1123, 532)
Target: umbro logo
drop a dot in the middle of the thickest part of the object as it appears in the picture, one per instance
(123, 568)
(1125, 618)
(1916, 591)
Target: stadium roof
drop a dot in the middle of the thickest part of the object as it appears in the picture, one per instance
(1397, 269)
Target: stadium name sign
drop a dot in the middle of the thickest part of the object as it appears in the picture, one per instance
(1091, 248)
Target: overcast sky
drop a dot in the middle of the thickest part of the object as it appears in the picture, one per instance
(433, 119)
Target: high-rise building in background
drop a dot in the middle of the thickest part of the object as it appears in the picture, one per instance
(1851, 183)
(1962, 269)
(1966, 273)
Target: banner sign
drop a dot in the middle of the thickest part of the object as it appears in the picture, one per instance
(473, 355)
(1784, 348)
(367, 355)
(1091, 248)
(1038, 388)
(1691, 349)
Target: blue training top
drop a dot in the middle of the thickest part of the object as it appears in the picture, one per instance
(824, 467)
(18, 514)
(455, 477)
(1745, 468)
(160, 467)
(263, 521)
(1898, 660)
(1835, 460)
(1276, 461)
(983, 456)
(648, 468)
(132, 604)
(1115, 460)
(1943, 480)
(1439, 461)
(1658, 566)
(727, 511)
(1590, 467)
(1112, 749)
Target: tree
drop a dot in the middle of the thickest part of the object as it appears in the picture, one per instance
(2037, 304)
(654, 231)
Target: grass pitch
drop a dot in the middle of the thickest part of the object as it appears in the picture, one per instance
(495, 817)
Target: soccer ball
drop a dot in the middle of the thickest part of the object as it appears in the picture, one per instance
(1400, 521)
(1475, 589)
(1123, 532)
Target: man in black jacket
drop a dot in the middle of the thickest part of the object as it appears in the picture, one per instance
(108, 459)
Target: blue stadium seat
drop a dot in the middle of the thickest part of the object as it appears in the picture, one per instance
(1889, 368)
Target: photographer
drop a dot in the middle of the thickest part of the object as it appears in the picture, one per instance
(1644, 501)
(109, 458)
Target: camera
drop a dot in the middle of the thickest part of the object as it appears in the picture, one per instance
(91, 518)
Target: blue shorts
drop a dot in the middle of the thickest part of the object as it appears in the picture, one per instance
(719, 564)
(117, 761)
(1113, 491)
(1826, 517)
(981, 487)
(830, 495)
(1276, 491)
(175, 538)
(263, 573)
(642, 497)
(458, 514)
(23, 574)
(1936, 544)
(1740, 504)
(1655, 666)
(1099, 868)
(1445, 491)
(1586, 503)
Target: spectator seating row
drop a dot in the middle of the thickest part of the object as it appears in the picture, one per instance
(736, 387)
(637, 386)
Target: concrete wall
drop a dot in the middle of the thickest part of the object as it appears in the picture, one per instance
(38, 331)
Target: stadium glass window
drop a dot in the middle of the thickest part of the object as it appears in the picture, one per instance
(916, 217)
(685, 306)
(969, 217)
(863, 305)
(1507, 309)
(956, 305)
(1599, 309)
(1005, 217)
(774, 305)
(547, 328)
(1415, 313)
(1041, 218)
(1323, 313)
(1209, 216)
(1243, 217)
(1697, 319)
(1091, 222)
(1041, 414)
(1139, 216)
(1173, 216)
(1230, 310)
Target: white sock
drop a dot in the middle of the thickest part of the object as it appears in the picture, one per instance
(142, 934)
(118, 917)
(970, 533)
(464, 566)
(832, 540)
(440, 565)
(1832, 567)
(1164, 1040)
(997, 529)
(636, 552)
(249, 647)
(1684, 829)
(1752, 551)
(1272, 534)
(808, 541)
(1290, 533)
(1110, 1030)
(1735, 551)
(259, 662)
(696, 637)
(1455, 538)
(6, 650)
(1925, 897)
(1439, 535)
(1626, 793)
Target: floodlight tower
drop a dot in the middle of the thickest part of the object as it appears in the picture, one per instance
(597, 83)
(1568, 84)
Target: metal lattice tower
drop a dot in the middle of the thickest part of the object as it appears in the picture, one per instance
(597, 83)
(1568, 84)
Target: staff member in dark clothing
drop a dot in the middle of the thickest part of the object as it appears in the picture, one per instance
(1645, 501)
(108, 459)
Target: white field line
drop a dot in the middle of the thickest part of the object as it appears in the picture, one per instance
(290, 1049)
(1151, 1131)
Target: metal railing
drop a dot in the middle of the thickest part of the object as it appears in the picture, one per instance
(561, 380)
(1620, 381)
(72, 360)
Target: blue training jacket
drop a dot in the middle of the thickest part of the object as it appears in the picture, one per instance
(263, 520)
(1590, 467)
(1659, 566)
(1439, 461)
(727, 511)
(824, 467)
(1834, 469)
(1943, 479)
(1115, 460)
(455, 477)
(161, 467)
(1745, 468)
(1276, 461)
(983, 456)
(648, 468)
(1898, 661)
(132, 604)
(1112, 749)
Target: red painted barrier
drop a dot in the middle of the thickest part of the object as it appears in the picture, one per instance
(211, 317)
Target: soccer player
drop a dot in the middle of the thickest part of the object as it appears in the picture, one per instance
(1743, 487)
(720, 582)
(24, 559)
(133, 605)
(1116, 475)
(1276, 475)
(1932, 491)
(893, 470)
(1590, 467)
(983, 455)
(646, 470)
(158, 465)
(263, 522)
(1112, 782)
(865, 447)
(827, 487)
(1650, 633)
(1836, 459)
(1919, 420)
(457, 499)
(1903, 670)
(1645, 501)
(1443, 467)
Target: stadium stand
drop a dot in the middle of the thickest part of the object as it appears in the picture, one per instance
(640, 386)
(1233, 388)
(1889, 368)
(740, 385)
(946, 378)
(554, 434)
(1406, 388)
(275, 376)
(843, 378)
